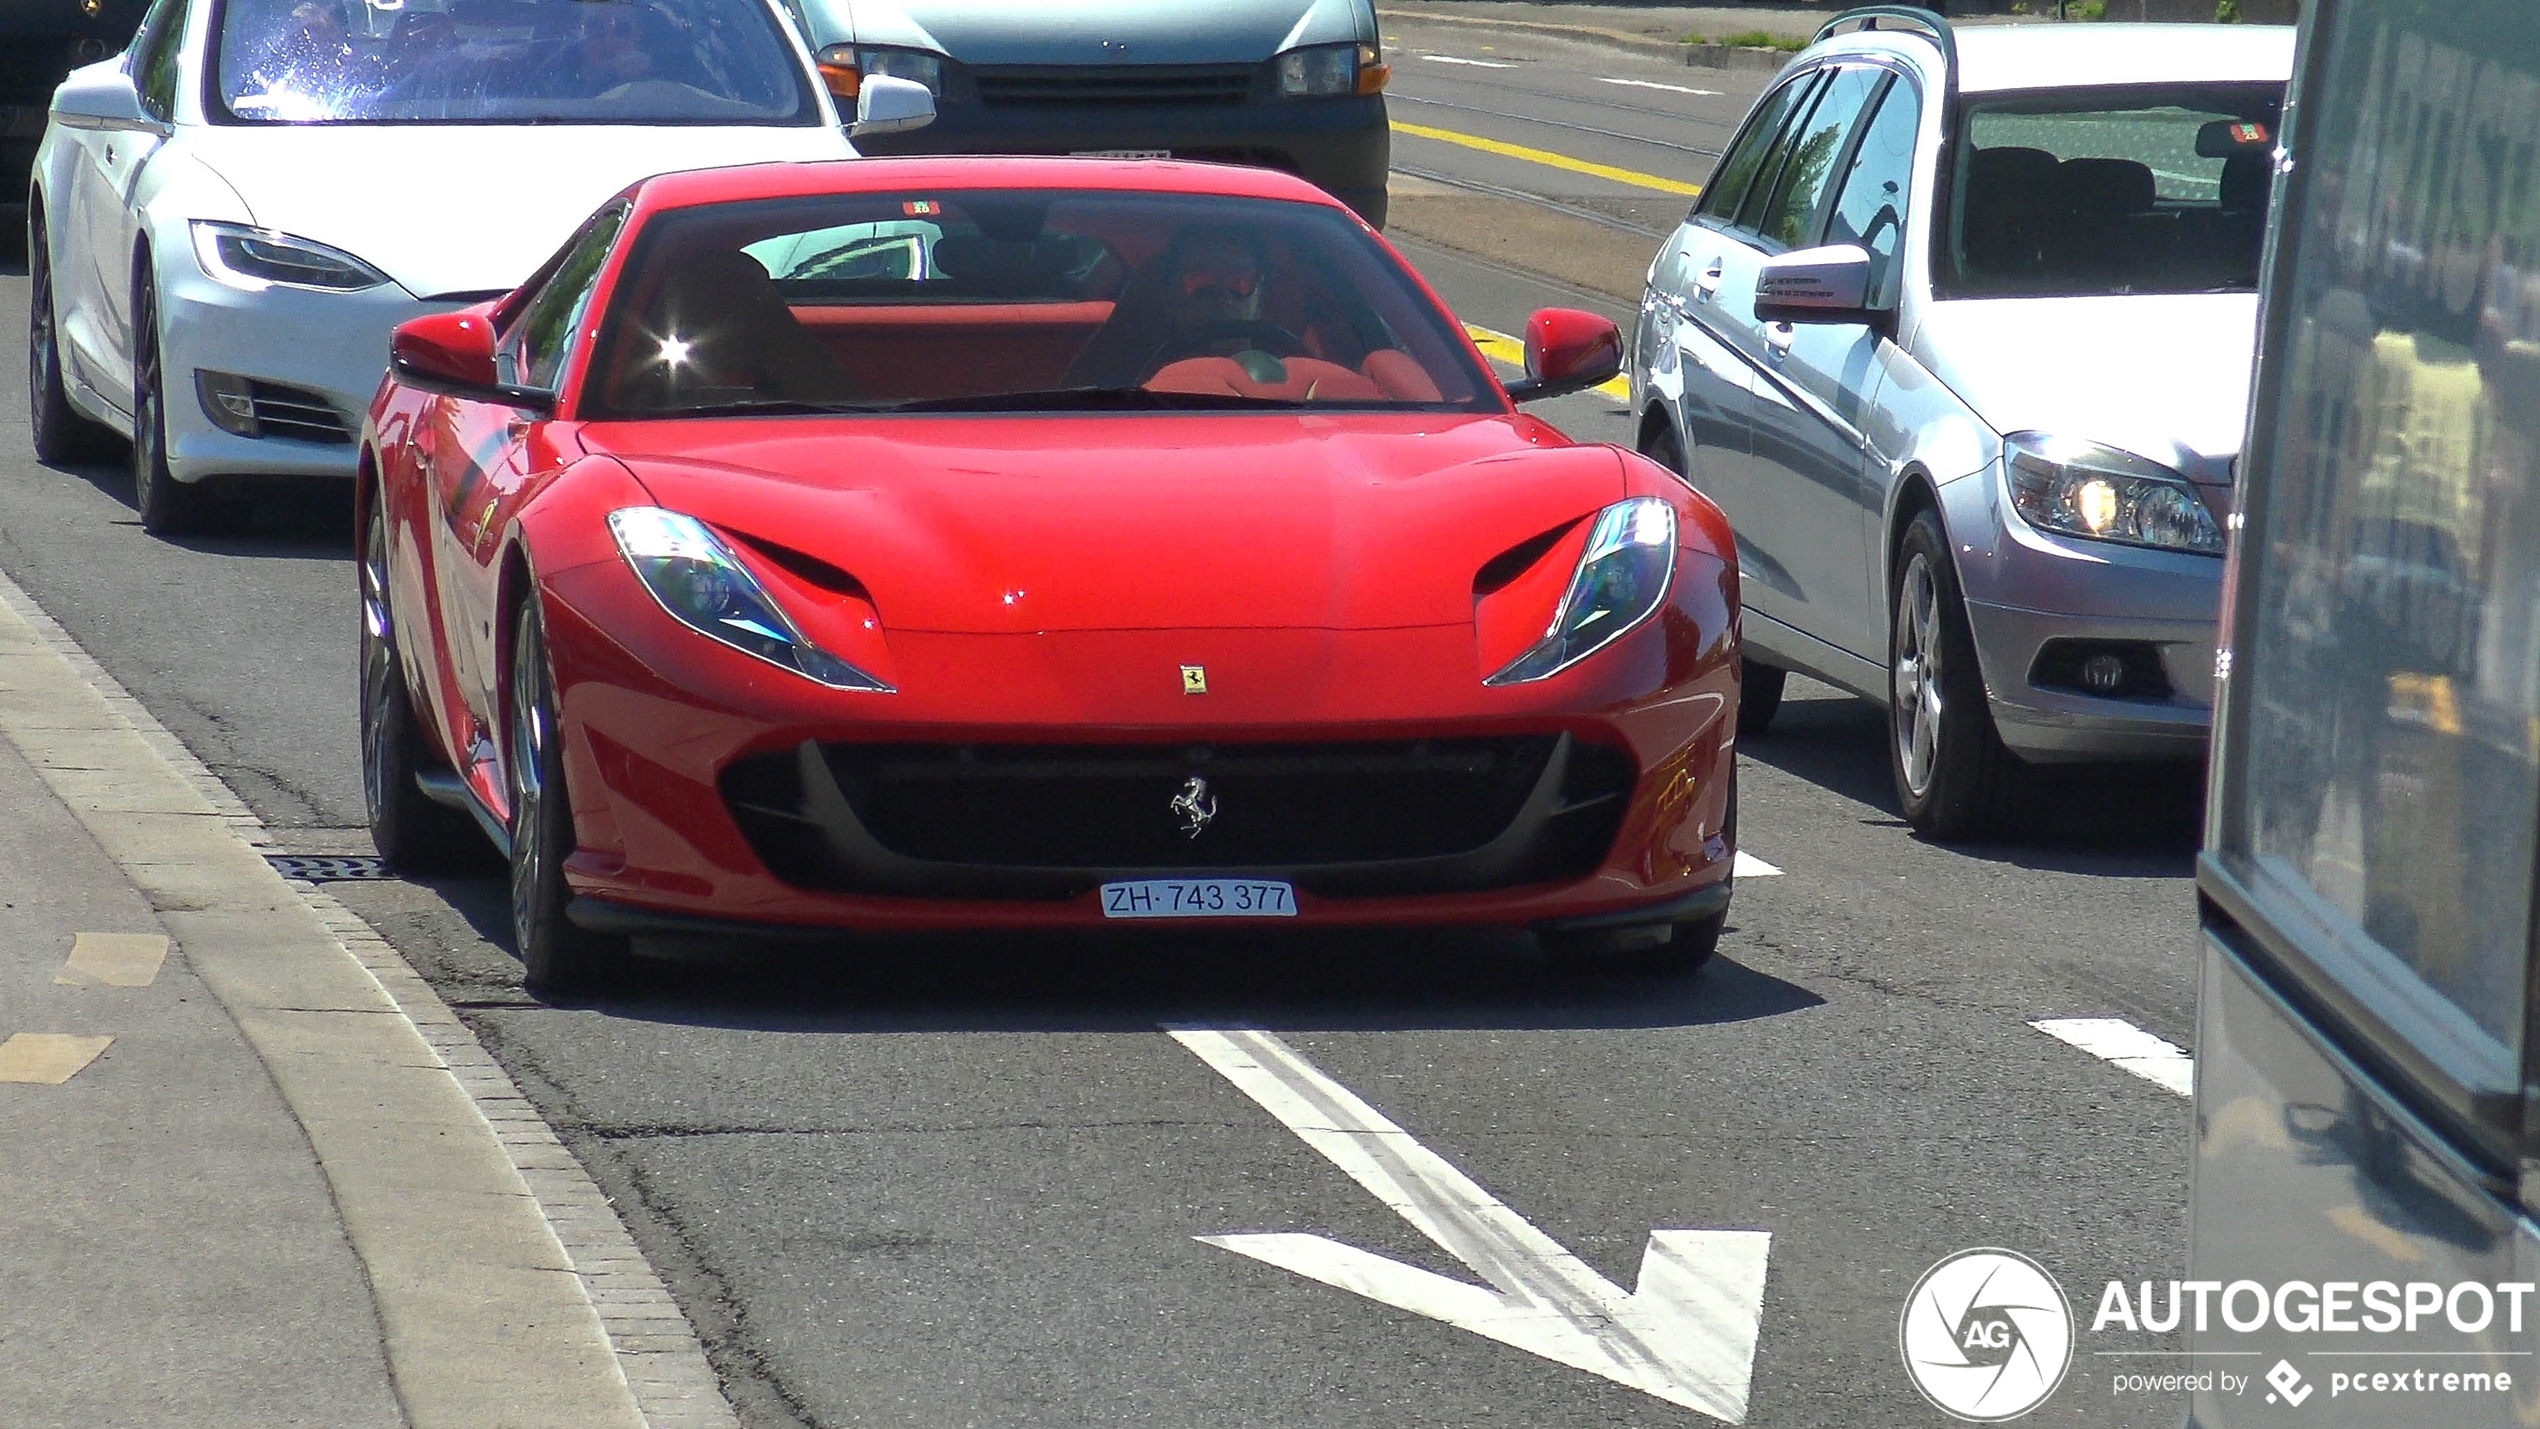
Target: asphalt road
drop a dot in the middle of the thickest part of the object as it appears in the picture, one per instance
(959, 1182)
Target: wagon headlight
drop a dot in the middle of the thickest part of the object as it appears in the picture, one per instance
(704, 586)
(915, 66)
(255, 259)
(2084, 489)
(1317, 71)
(1623, 576)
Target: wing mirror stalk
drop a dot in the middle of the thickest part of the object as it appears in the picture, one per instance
(1567, 351)
(888, 104)
(453, 354)
(1826, 286)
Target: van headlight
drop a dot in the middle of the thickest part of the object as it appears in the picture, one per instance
(1622, 578)
(704, 586)
(1318, 71)
(2077, 488)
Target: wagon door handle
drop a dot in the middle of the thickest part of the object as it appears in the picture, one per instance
(1708, 284)
(1778, 338)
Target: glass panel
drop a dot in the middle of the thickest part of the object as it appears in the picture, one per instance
(1870, 209)
(547, 328)
(1754, 146)
(2152, 189)
(1022, 301)
(508, 62)
(154, 61)
(2389, 740)
(1790, 217)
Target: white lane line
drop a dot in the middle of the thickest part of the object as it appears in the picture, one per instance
(1458, 60)
(1686, 1335)
(1749, 866)
(1653, 84)
(2113, 1039)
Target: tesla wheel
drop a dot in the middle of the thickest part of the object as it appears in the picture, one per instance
(61, 435)
(169, 507)
(1954, 777)
(557, 957)
(412, 833)
(1759, 696)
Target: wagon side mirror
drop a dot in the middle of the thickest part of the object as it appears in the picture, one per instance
(887, 104)
(1568, 351)
(1816, 285)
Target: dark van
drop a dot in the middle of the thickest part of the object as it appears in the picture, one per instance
(2367, 1155)
(40, 42)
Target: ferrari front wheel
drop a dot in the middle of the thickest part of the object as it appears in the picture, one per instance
(412, 833)
(557, 957)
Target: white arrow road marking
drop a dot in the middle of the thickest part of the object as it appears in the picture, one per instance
(1687, 1335)
(1749, 866)
(1458, 60)
(2114, 1039)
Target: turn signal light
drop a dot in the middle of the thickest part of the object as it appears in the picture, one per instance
(1373, 73)
(838, 71)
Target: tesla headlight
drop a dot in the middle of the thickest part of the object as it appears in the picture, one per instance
(916, 66)
(258, 258)
(1321, 70)
(705, 587)
(2084, 489)
(1623, 576)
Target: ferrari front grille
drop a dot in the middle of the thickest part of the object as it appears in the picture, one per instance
(1040, 821)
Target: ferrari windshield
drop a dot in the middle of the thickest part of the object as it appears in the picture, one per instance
(1020, 301)
(508, 62)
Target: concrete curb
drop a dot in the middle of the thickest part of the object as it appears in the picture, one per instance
(1722, 57)
(509, 1294)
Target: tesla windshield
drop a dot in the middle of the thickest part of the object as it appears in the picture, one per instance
(2100, 192)
(507, 62)
(1020, 301)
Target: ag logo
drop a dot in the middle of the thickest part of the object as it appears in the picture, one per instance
(1986, 1335)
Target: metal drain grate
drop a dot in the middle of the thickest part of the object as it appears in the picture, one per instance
(327, 867)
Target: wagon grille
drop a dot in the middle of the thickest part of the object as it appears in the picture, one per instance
(1036, 821)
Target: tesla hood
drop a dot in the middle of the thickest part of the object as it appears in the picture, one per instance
(2143, 373)
(1052, 32)
(1018, 526)
(386, 193)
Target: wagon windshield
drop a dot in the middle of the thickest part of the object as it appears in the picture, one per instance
(1020, 301)
(507, 62)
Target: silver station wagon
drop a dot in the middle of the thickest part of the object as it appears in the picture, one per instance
(1959, 336)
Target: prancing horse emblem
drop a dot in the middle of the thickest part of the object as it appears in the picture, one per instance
(1195, 807)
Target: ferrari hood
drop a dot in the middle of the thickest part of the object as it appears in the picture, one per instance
(1022, 526)
(1057, 32)
(381, 192)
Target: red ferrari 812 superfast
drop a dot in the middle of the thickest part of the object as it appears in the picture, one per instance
(981, 543)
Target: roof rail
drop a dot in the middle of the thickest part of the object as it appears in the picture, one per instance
(1929, 21)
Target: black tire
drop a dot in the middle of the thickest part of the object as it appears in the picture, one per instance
(169, 507)
(61, 435)
(557, 958)
(1759, 696)
(412, 833)
(1954, 778)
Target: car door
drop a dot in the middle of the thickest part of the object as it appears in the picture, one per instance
(1706, 274)
(1811, 462)
(93, 221)
(1803, 477)
(487, 458)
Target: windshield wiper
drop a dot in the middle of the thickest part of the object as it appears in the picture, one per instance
(1097, 399)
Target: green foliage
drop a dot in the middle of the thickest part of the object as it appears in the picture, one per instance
(2226, 12)
(1765, 40)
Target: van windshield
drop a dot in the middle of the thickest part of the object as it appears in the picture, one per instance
(507, 62)
(2141, 190)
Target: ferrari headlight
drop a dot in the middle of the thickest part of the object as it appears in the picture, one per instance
(1622, 579)
(2102, 494)
(705, 587)
(916, 66)
(256, 258)
(1315, 71)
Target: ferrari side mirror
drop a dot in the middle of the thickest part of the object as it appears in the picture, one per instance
(1568, 351)
(453, 354)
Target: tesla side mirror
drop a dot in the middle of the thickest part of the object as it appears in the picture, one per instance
(887, 104)
(1816, 285)
(453, 354)
(102, 97)
(1568, 351)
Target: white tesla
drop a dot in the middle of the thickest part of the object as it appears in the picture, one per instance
(227, 220)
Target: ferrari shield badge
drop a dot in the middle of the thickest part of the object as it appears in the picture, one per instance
(1194, 679)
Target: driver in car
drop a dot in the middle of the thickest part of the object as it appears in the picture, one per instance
(1201, 297)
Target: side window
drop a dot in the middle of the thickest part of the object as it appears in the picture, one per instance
(1807, 175)
(1870, 208)
(154, 57)
(1748, 156)
(534, 351)
(2385, 709)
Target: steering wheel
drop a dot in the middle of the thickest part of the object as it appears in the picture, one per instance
(1267, 337)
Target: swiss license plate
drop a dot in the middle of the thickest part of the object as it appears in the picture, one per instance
(1199, 898)
(1124, 153)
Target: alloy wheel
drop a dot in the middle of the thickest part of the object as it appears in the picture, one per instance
(527, 758)
(379, 666)
(1917, 707)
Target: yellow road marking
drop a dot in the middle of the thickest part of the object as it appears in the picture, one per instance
(113, 960)
(1549, 159)
(1500, 347)
(47, 1058)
